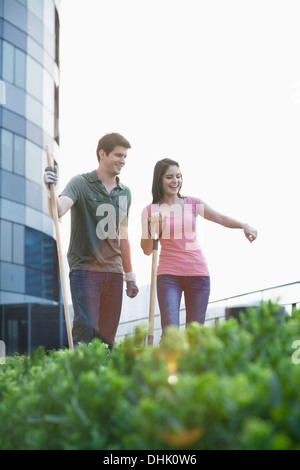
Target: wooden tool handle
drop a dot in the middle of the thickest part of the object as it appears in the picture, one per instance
(59, 253)
(152, 297)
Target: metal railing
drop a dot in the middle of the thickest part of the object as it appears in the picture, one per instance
(286, 295)
(289, 298)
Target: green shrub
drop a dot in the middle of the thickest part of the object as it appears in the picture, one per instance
(231, 386)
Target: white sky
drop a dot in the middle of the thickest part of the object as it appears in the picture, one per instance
(214, 85)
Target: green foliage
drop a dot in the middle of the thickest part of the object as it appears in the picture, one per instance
(231, 386)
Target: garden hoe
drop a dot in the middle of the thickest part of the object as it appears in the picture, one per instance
(59, 252)
(155, 240)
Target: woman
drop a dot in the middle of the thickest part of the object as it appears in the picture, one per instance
(182, 266)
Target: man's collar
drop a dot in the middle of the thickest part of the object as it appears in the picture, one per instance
(119, 184)
(93, 177)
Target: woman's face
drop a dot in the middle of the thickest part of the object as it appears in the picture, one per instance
(171, 181)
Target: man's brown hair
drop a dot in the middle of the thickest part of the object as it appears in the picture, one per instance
(109, 141)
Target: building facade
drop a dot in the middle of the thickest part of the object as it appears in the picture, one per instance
(29, 120)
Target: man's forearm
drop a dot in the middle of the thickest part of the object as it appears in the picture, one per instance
(57, 205)
(126, 255)
(63, 204)
(50, 207)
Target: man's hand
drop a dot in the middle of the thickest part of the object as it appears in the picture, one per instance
(131, 287)
(50, 176)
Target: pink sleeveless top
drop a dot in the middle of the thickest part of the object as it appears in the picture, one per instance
(180, 252)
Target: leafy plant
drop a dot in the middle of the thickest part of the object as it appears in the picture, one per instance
(231, 386)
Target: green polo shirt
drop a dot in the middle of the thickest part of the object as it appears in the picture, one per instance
(96, 217)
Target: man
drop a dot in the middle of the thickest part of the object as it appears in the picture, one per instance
(99, 249)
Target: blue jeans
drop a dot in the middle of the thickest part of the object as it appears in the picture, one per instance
(169, 292)
(97, 303)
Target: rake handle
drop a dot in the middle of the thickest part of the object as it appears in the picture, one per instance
(152, 292)
(60, 256)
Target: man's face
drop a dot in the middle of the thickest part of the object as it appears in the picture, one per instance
(114, 161)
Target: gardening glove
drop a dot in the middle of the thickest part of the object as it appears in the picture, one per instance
(50, 176)
(131, 287)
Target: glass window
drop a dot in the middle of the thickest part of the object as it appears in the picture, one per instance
(6, 241)
(13, 187)
(33, 282)
(6, 150)
(49, 15)
(33, 167)
(34, 49)
(49, 63)
(20, 68)
(16, 14)
(35, 27)
(2, 93)
(14, 35)
(36, 6)
(15, 99)
(48, 91)
(34, 110)
(48, 254)
(19, 155)
(12, 211)
(34, 133)
(13, 122)
(34, 219)
(45, 325)
(49, 43)
(33, 243)
(48, 286)
(48, 122)
(41, 265)
(34, 196)
(0, 53)
(18, 244)
(15, 324)
(8, 62)
(12, 277)
(34, 78)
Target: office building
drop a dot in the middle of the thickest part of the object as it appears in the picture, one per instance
(30, 307)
